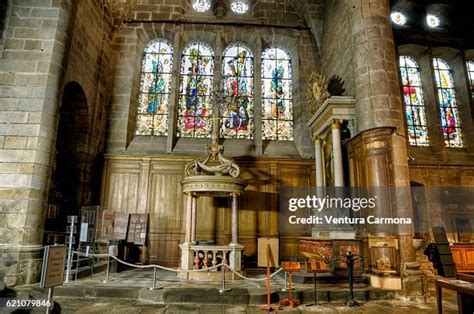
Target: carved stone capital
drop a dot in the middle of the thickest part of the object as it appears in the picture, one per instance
(317, 140)
(336, 124)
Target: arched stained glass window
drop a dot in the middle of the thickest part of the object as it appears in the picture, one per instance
(237, 73)
(447, 102)
(414, 105)
(196, 81)
(277, 107)
(153, 103)
(470, 72)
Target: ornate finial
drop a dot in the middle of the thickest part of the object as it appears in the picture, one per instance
(336, 86)
(219, 101)
(318, 90)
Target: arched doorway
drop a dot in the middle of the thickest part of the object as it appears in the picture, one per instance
(73, 175)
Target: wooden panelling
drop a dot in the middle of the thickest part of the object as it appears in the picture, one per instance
(122, 192)
(166, 205)
(152, 185)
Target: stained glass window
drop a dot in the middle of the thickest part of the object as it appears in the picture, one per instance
(153, 103)
(432, 20)
(447, 101)
(470, 72)
(237, 73)
(414, 105)
(201, 5)
(196, 81)
(398, 18)
(277, 107)
(240, 6)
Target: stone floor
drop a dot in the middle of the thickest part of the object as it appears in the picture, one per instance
(128, 292)
(127, 307)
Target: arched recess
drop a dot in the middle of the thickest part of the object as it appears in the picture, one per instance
(74, 179)
(420, 225)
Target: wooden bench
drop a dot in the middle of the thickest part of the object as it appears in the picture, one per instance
(464, 289)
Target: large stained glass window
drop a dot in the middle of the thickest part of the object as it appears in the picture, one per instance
(237, 73)
(414, 105)
(277, 107)
(447, 101)
(196, 81)
(153, 103)
(470, 72)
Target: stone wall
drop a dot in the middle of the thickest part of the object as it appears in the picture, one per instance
(185, 26)
(3, 16)
(442, 175)
(35, 66)
(313, 14)
(336, 48)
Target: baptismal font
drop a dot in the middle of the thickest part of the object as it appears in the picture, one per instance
(215, 176)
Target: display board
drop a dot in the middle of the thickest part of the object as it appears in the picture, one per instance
(262, 251)
(137, 229)
(120, 226)
(88, 223)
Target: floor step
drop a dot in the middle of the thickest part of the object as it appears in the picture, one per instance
(240, 295)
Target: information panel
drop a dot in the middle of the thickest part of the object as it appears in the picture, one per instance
(54, 260)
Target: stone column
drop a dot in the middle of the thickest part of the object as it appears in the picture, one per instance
(189, 205)
(235, 220)
(28, 109)
(378, 97)
(319, 162)
(193, 218)
(337, 153)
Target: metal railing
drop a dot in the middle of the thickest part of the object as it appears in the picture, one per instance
(223, 266)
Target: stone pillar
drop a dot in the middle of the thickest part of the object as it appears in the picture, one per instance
(189, 205)
(235, 220)
(29, 104)
(319, 162)
(337, 153)
(193, 218)
(378, 97)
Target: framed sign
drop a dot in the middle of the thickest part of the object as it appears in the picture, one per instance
(84, 232)
(52, 211)
(54, 260)
(107, 225)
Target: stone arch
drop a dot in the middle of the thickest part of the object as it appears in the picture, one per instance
(418, 204)
(71, 182)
